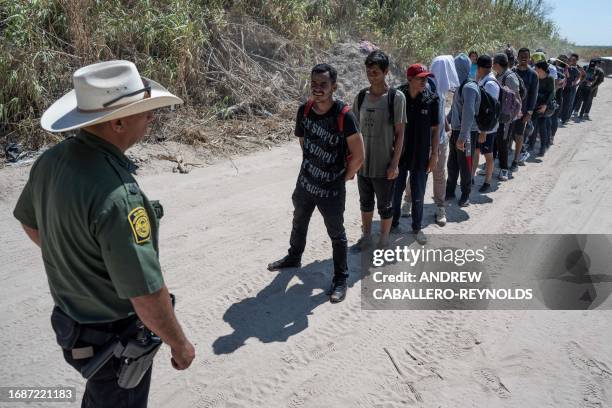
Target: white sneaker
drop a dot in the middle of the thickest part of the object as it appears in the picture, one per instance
(482, 172)
(441, 216)
(524, 156)
(420, 237)
(503, 175)
(406, 209)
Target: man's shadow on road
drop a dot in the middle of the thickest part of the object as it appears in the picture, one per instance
(281, 309)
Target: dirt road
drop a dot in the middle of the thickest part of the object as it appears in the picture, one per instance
(272, 340)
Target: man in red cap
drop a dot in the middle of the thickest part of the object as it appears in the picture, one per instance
(421, 139)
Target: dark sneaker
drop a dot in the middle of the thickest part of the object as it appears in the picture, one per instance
(363, 244)
(514, 166)
(484, 188)
(464, 201)
(338, 292)
(285, 262)
(396, 229)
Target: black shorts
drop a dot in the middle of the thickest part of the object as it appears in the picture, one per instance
(487, 145)
(379, 187)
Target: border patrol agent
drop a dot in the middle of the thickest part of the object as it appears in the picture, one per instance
(98, 232)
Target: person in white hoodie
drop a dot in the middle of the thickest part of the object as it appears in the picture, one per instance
(446, 79)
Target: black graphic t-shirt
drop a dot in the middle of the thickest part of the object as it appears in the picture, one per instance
(422, 113)
(325, 150)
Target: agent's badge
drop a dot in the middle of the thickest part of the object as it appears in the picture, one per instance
(141, 227)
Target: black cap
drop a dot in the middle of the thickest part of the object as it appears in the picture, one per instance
(543, 65)
(484, 61)
(501, 59)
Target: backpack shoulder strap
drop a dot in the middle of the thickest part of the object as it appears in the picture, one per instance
(489, 79)
(505, 76)
(345, 108)
(360, 97)
(391, 106)
(308, 107)
(464, 84)
(429, 96)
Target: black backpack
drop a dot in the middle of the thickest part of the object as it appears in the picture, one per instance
(390, 99)
(488, 112)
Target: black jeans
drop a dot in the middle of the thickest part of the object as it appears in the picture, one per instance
(578, 98)
(332, 210)
(554, 119)
(102, 390)
(502, 144)
(587, 100)
(569, 96)
(542, 129)
(418, 183)
(458, 163)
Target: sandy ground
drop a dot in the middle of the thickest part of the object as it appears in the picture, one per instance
(273, 340)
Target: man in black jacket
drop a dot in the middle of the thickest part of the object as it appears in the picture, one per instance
(420, 147)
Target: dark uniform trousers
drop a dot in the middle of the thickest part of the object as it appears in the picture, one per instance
(587, 100)
(332, 210)
(569, 96)
(102, 390)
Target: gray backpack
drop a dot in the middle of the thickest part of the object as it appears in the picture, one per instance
(509, 100)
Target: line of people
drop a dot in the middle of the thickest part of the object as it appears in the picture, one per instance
(391, 139)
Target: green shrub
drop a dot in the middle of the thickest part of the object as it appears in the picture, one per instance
(173, 41)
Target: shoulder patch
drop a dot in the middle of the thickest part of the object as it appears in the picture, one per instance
(141, 227)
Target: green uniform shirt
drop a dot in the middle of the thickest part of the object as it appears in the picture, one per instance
(98, 231)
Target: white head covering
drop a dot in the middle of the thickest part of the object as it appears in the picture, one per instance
(443, 67)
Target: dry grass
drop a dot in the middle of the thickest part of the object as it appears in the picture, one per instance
(241, 60)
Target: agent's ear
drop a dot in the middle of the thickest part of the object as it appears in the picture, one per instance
(334, 87)
(117, 125)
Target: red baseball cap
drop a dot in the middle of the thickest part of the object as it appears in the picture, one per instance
(418, 70)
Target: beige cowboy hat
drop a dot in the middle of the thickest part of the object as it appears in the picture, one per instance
(105, 91)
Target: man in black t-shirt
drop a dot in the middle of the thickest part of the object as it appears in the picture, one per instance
(571, 86)
(332, 152)
(421, 138)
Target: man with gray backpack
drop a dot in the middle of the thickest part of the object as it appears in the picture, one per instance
(510, 100)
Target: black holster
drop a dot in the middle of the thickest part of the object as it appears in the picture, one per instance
(136, 359)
